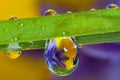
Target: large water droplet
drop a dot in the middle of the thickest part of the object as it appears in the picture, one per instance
(61, 55)
(14, 51)
(112, 6)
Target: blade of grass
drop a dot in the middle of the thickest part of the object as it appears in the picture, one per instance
(90, 27)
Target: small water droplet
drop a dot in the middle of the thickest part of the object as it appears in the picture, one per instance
(69, 12)
(61, 55)
(80, 45)
(14, 39)
(14, 54)
(20, 24)
(13, 18)
(112, 6)
(50, 12)
(93, 9)
(40, 34)
(14, 51)
(64, 33)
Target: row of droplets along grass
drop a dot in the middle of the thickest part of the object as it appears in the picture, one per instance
(14, 45)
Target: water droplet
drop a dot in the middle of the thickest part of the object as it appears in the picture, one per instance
(61, 55)
(20, 24)
(64, 33)
(40, 34)
(14, 39)
(13, 18)
(112, 6)
(93, 9)
(14, 54)
(69, 12)
(80, 45)
(14, 51)
(50, 12)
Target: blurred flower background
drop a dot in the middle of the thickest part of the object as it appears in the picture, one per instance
(97, 62)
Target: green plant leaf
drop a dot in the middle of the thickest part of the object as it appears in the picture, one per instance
(89, 27)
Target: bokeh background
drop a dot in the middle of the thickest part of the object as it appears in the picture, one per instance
(97, 62)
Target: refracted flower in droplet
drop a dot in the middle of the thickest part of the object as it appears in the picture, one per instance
(14, 51)
(112, 6)
(61, 55)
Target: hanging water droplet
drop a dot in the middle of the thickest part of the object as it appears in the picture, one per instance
(14, 51)
(80, 45)
(14, 54)
(112, 6)
(50, 12)
(61, 55)
(13, 18)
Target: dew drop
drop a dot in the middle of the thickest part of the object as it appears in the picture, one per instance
(64, 33)
(61, 55)
(93, 9)
(14, 39)
(112, 6)
(80, 45)
(20, 24)
(40, 34)
(13, 18)
(69, 12)
(14, 51)
(50, 12)
(14, 54)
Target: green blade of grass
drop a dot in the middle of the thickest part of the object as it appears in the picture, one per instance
(90, 27)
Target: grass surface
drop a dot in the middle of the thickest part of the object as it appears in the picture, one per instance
(90, 27)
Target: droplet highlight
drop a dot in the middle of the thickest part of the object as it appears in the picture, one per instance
(112, 6)
(62, 55)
